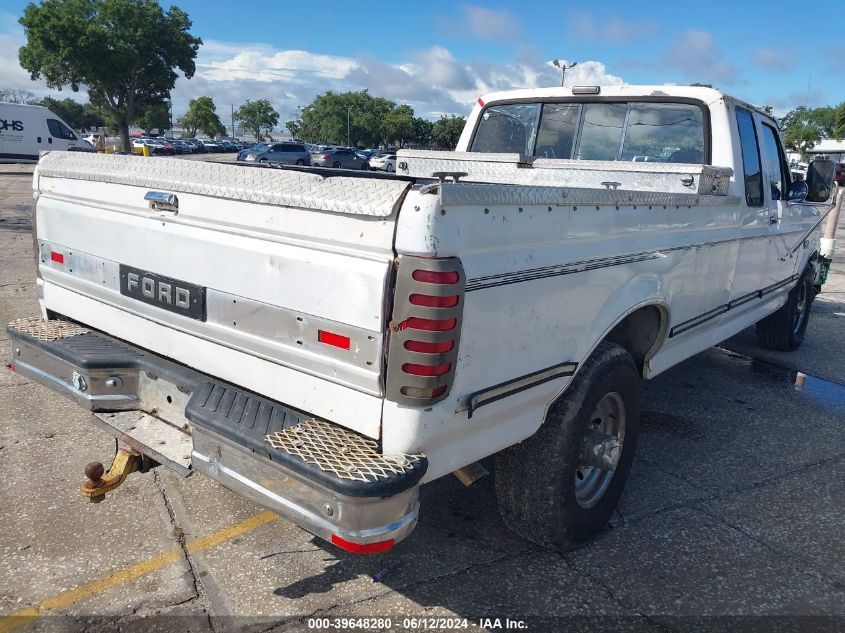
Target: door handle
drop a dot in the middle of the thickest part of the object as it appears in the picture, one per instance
(39, 139)
(49, 140)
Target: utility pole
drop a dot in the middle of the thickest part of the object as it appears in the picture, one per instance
(348, 110)
(233, 120)
(563, 68)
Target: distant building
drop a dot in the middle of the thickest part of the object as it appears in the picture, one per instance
(834, 150)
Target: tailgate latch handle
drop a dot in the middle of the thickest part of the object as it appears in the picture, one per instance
(162, 201)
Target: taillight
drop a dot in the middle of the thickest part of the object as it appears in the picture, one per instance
(425, 328)
(326, 157)
(434, 302)
(436, 276)
(426, 370)
(424, 347)
(429, 325)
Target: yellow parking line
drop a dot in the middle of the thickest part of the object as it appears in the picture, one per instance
(128, 574)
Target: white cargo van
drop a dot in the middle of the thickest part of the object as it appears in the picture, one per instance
(26, 130)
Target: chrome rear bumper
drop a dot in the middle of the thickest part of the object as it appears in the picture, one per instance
(324, 478)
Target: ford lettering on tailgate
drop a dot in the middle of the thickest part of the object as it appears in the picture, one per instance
(163, 292)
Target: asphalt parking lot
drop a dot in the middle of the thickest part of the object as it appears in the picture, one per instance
(735, 509)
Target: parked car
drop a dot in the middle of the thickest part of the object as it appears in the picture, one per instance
(156, 148)
(840, 174)
(383, 161)
(285, 153)
(182, 147)
(339, 157)
(211, 146)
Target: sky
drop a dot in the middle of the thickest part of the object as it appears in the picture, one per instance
(440, 56)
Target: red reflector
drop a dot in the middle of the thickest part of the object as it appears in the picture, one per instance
(12, 367)
(426, 370)
(429, 348)
(481, 102)
(330, 338)
(57, 257)
(362, 548)
(418, 392)
(431, 325)
(436, 277)
(430, 301)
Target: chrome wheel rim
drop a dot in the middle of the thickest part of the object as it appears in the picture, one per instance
(601, 448)
(800, 309)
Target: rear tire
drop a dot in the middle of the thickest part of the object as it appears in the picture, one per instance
(300, 162)
(540, 482)
(784, 329)
(390, 168)
(336, 165)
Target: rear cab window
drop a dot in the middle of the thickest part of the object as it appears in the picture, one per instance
(637, 131)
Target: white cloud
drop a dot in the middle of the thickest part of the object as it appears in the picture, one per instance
(490, 24)
(696, 55)
(611, 28)
(774, 60)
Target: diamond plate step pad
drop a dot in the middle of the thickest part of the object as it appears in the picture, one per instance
(341, 452)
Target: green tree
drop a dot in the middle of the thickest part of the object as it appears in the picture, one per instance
(125, 52)
(839, 130)
(257, 117)
(202, 115)
(70, 111)
(702, 85)
(356, 118)
(154, 116)
(398, 125)
(93, 117)
(800, 133)
(294, 127)
(447, 130)
(422, 131)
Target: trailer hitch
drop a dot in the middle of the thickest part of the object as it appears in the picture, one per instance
(98, 482)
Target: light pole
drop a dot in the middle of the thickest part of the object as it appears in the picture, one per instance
(348, 110)
(563, 68)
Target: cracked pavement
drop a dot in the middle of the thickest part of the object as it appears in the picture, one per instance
(735, 507)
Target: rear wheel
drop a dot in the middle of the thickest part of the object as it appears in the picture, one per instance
(784, 329)
(390, 167)
(336, 165)
(559, 487)
(365, 166)
(300, 162)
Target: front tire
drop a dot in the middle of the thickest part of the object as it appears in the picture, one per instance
(560, 486)
(784, 329)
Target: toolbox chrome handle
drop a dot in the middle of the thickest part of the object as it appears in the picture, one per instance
(162, 201)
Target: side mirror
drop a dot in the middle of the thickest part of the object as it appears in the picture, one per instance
(798, 191)
(820, 174)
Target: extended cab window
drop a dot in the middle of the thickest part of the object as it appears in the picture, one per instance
(508, 128)
(664, 132)
(60, 130)
(750, 158)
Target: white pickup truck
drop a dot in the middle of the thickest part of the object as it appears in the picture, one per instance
(325, 341)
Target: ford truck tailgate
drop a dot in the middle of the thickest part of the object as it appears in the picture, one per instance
(272, 279)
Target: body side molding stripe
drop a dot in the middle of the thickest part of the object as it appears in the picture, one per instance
(733, 303)
(531, 274)
(517, 385)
